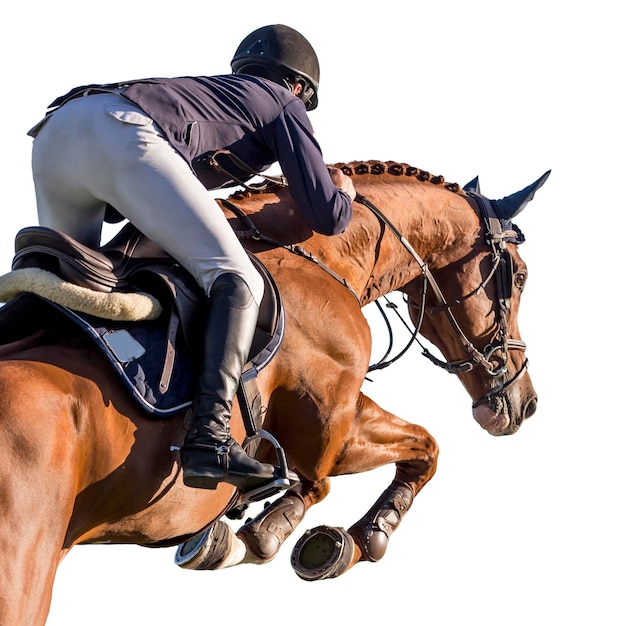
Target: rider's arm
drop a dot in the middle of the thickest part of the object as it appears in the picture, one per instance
(327, 208)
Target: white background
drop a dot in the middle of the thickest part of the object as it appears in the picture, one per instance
(521, 530)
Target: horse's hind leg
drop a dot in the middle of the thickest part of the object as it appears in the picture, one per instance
(24, 592)
(378, 438)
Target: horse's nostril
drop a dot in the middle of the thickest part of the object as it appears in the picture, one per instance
(531, 407)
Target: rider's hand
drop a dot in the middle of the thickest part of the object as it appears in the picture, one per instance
(342, 181)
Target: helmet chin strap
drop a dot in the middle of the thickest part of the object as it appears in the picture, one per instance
(299, 88)
(294, 83)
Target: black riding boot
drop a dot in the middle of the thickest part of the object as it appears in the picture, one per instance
(210, 455)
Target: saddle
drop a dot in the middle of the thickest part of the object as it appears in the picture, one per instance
(153, 357)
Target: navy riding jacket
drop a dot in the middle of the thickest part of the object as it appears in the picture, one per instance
(255, 119)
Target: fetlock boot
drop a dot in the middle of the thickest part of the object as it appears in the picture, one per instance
(210, 455)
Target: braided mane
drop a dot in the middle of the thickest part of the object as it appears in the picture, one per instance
(395, 169)
(360, 168)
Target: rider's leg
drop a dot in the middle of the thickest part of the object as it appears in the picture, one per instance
(210, 454)
(111, 152)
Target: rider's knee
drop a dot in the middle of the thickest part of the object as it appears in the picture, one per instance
(239, 289)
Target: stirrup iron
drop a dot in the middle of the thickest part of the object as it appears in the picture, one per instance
(286, 480)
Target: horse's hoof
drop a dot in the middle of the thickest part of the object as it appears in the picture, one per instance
(323, 552)
(215, 548)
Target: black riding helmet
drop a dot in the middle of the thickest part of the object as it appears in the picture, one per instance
(282, 55)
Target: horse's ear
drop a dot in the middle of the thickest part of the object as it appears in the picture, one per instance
(473, 186)
(507, 208)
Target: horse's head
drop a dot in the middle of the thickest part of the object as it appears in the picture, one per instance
(468, 308)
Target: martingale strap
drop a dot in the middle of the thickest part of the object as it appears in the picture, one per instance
(211, 160)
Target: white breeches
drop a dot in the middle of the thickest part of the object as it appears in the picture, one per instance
(101, 149)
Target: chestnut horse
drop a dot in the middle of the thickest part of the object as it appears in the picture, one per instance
(82, 463)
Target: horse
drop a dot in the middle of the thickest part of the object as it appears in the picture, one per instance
(82, 463)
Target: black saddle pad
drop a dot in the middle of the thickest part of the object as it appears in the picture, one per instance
(153, 362)
(152, 358)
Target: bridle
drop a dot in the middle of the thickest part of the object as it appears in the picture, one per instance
(494, 356)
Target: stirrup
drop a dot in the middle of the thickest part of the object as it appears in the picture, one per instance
(286, 479)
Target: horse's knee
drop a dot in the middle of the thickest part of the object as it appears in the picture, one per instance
(428, 449)
(418, 470)
(313, 491)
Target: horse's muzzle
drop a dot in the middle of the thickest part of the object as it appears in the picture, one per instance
(503, 414)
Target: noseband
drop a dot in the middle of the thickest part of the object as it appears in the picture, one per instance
(494, 356)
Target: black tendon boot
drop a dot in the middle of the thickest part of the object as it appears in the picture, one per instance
(210, 455)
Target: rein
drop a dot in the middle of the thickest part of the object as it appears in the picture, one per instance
(475, 356)
(496, 236)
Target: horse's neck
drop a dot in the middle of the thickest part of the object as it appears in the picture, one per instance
(439, 224)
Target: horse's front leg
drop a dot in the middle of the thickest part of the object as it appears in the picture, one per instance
(266, 533)
(259, 540)
(377, 438)
(38, 426)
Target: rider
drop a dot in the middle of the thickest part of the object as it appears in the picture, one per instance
(144, 147)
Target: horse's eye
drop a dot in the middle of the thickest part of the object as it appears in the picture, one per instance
(520, 280)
